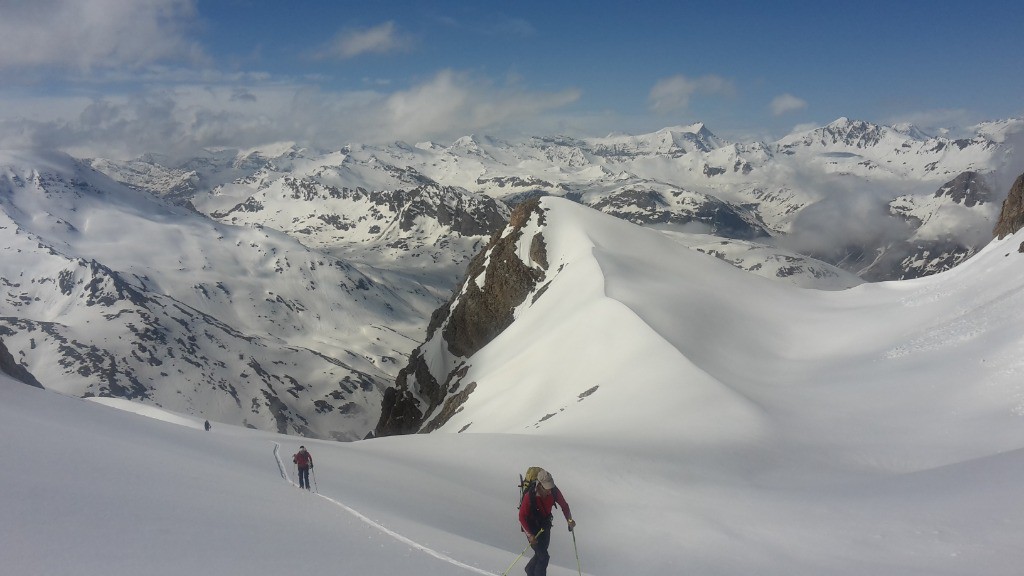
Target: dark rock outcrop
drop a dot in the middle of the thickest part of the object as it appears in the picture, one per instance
(497, 281)
(648, 207)
(969, 189)
(10, 366)
(1011, 218)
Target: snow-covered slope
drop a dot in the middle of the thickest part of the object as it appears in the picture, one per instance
(697, 418)
(366, 212)
(112, 292)
(697, 332)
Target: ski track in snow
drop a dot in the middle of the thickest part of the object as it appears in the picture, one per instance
(280, 463)
(416, 545)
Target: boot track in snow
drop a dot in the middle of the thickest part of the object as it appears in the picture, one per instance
(443, 557)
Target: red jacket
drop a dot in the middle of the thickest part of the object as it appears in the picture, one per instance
(543, 509)
(303, 459)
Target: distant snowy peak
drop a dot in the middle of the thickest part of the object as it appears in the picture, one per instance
(678, 140)
(855, 147)
(842, 132)
(1001, 130)
(267, 151)
(969, 189)
(966, 196)
(150, 177)
(663, 206)
(910, 131)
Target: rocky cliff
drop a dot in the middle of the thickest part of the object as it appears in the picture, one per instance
(498, 280)
(10, 366)
(1011, 218)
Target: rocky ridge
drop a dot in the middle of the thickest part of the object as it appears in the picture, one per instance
(498, 280)
(1011, 217)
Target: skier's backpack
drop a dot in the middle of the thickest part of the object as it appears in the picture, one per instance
(527, 485)
(526, 482)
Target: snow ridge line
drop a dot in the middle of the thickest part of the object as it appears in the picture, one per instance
(389, 532)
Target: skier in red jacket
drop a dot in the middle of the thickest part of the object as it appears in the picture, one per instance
(536, 518)
(304, 461)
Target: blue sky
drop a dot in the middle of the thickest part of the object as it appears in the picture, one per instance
(121, 77)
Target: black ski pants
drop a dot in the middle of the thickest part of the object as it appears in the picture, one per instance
(538, 565)
(304, 477)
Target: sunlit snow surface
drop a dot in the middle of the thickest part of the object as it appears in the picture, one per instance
(738, 426)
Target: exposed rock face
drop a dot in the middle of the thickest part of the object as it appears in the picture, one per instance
(10, 366)
(969, 189)
(496, 283)
(480, 314)
(646, 207)
(1011, 219)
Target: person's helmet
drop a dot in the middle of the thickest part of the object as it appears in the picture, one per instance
(544, 479)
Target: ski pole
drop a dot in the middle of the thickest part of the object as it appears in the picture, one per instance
(315, 487)
(578, 568)
(505, 573)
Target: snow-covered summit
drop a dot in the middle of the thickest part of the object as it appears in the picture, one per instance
(579, 288)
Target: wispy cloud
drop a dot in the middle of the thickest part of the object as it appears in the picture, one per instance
(469, 104)
(673, 94)
(786, 103)
(516, 27)
(380, 39)
(98, 34)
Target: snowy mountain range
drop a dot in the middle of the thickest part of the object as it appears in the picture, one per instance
(285, 288)
(108, 292)
(866, 185)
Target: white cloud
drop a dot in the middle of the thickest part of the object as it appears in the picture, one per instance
(672, 94)
(804, 127)
(96, 34)
(787, 103)
(457, 101)
(180, 120)
(379, 39)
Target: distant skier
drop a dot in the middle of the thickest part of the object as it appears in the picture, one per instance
(207, 425)
(304, 461)
(536, 519)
